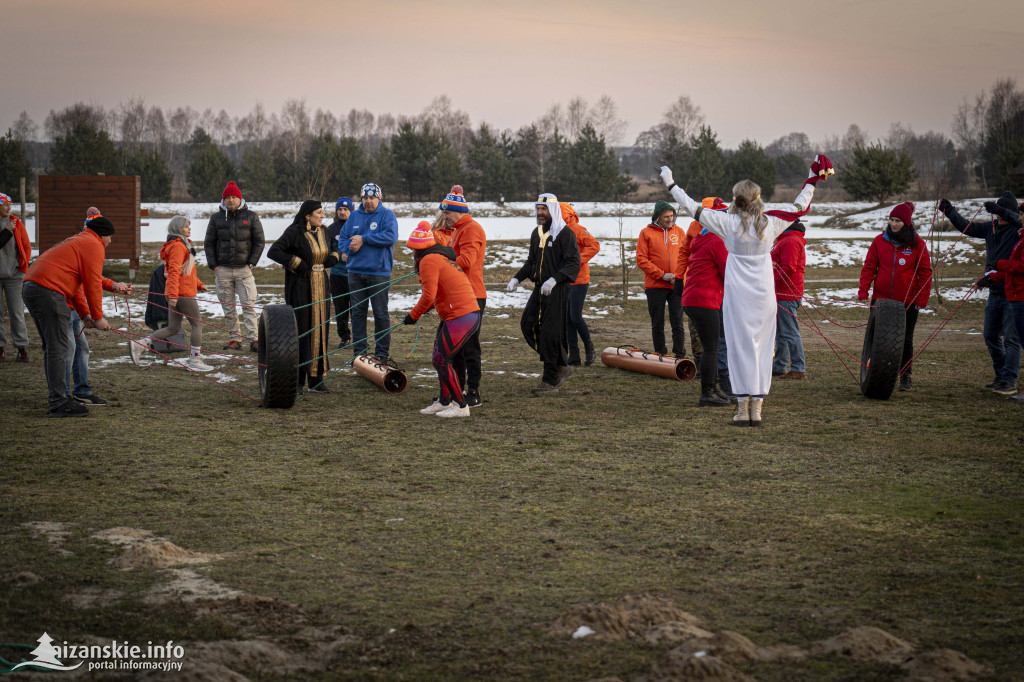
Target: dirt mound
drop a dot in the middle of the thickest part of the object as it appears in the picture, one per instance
(631, 616)
(727, 646)
(942, 665)
(246, 655)
(143, 549)
(675, 632)
(678, 666)
(54, 532)
(256, 615)
(865, 643)
(197, 670)
(91, 597)
(189, 586)
(20, 579)
(780, 653)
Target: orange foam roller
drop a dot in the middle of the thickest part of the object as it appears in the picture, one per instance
(388, 377)
(636, 360)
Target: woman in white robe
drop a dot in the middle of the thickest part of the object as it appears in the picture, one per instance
(749, 306)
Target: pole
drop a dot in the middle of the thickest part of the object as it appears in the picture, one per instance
(22, 189)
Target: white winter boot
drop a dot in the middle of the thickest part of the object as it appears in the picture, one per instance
(755, 411)
(742, 416)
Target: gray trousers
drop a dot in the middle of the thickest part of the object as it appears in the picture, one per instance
(10, 290)
(52, 316)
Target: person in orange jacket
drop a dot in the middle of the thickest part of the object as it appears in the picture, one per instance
(470, 244)
(69, 275)
(589, 248)
(441, 230)
(447, 290)
(182, 286)
(657, 254)
(15, 253)
(899, 267)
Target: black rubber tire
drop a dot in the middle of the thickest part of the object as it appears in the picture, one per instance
(278, 354)
(883, 349)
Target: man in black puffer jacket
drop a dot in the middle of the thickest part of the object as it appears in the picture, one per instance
(233, 245)
(1000, 235)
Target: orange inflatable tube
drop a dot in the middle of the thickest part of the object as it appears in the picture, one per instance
(636, 360)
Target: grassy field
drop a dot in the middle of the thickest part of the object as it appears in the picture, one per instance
(373, 543)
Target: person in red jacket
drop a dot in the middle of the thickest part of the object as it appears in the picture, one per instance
(682, 263)
(1010, 273)
(181, 289)
(470, 244)
(702, 299)
(789, 260)
(15, 253)
(447, 290)
(657, 252)
(68, 275)
(589, 247)
(898, 267)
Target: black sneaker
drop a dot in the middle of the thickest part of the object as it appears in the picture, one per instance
(473, 398)
(91, 400)
(69, 408)
(905, 383)
(320, 388)
(1004, 388)
(992, 384)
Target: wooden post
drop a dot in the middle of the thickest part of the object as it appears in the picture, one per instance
(22, 189)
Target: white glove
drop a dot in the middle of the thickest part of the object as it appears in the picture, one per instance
(666, 176)
(668, 277)
(513, 284)
(549, 284)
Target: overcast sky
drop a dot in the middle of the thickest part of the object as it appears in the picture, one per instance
(757, 69)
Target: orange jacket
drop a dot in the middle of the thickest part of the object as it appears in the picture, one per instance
(174, 254)
(657, 252)
(683, 259)
(588, 245)
(445, 288)
(74, 267)
(21, 242)
(470, 244)
(443, 237)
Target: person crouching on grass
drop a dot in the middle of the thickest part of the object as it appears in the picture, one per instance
(68, 275)
(447, 289)
(898, 267)
(183, 283)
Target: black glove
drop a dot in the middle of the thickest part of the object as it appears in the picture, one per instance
(408, 320)
(992, 207)
(301, 268)
(984, 282)
(331, 261)
(945, 206)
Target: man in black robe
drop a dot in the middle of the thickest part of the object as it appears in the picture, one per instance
(553, 265)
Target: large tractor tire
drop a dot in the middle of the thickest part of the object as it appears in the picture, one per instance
(883, 349)
(278, 356)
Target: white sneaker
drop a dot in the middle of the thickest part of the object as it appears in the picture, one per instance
(137, 347)
(435, 407)
(453, 410)
(196, 363)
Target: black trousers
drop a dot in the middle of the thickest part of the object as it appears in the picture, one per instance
(544, 326)
(708, 329)
(339, 294)
(467, 363)
(52, 316)
(656, 300)
(908, 339)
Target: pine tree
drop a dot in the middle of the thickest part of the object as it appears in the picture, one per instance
(154, 173)
(14, 165)
(490, 165)
(706, 169)
(750, 162)
(256, 174)
(877, 173)
(790, 169)
(209, 169)
(594, 169)
(84, 150)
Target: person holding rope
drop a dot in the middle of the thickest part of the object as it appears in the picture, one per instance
(1004, 345)
(339, 273)
(589, 247)
(1010, 273)
(553, 264)
(368, 239)
(898, 267)
(447, 289)
(789, 260)
(68, 275)
(304, 249)
(15, 254)
(749, 301)
(181, 289)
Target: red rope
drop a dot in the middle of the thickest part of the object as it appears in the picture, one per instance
(157, 305)
(238, 358)
(970, 292)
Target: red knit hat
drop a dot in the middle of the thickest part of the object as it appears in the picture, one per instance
(231, 191)
(422, 237)
(904, 212)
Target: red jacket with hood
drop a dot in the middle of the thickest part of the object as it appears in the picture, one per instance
(901, 272)
(1011, 271)
(789, 260)
(705, 272)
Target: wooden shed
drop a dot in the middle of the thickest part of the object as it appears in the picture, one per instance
(64, 199)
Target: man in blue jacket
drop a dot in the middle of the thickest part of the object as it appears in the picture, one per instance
(368, 239)
(1000, 235)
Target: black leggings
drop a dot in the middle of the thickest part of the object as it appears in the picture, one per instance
(708, 329)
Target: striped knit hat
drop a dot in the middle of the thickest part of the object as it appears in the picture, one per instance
(455, 201)
(422, 237)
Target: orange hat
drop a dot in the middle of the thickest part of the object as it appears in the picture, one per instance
(422, 237)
